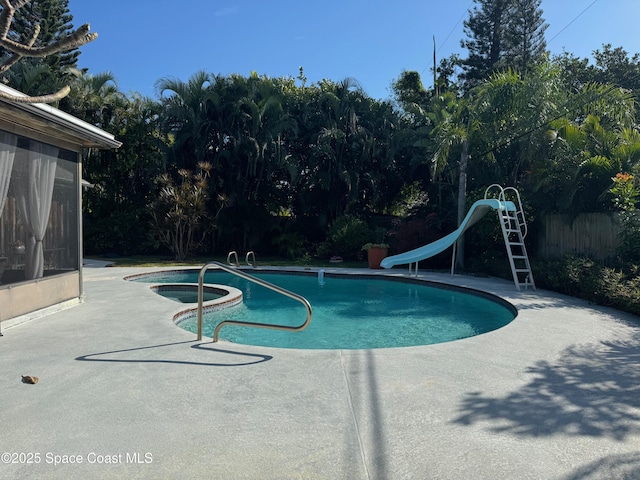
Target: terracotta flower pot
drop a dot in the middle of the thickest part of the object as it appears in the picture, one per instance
(375, 256)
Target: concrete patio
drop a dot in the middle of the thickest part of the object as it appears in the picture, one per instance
(124, 393)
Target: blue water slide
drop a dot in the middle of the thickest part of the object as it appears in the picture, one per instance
(478, 210)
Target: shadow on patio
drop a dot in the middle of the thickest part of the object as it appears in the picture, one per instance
(129, 356)
(612, 466)
(591, 390)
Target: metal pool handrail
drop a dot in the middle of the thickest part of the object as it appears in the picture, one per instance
(248, 259)
(234, 254)
(253, 279)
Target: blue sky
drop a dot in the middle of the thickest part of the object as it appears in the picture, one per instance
(373, 41)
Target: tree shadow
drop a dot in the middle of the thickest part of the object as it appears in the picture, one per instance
(544, 299)
(591, 390)
(626, 466)
(120, 356)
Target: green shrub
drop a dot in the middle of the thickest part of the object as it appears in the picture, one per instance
(347, 235)
(290, 244)
(625, 195)
(121, 232)
(584, 278)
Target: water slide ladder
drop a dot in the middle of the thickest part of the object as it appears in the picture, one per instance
(514, 231)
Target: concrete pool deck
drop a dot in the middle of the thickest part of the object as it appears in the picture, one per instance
(124, 393)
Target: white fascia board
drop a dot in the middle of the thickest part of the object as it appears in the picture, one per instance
(54, 115)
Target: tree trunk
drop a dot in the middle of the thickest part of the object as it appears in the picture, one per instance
(462, 201)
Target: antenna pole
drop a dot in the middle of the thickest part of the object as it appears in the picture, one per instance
(435, 70)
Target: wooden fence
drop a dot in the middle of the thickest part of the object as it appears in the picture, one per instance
(591, 234)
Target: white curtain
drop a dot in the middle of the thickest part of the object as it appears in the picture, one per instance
(34, 202)
(8, 143)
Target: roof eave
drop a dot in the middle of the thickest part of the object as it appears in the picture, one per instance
(91, 135)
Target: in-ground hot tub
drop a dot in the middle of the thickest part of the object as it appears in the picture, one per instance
(215, 297)
(188, 292)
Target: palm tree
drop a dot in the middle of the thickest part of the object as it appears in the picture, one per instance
(263, 122)
(585, 158)
(93, 98)
(33, 78)
(456, 130)
(595, 141)
(247, 131)
(344, 146)
(186, 117)
(501, 124)
(115, 209)
(516, 113)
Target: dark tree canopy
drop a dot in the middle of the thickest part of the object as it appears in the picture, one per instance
(502, 34)
(485, 31)
(409, 89)
(614, 66)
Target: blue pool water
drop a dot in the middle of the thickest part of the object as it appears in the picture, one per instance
(348, 313)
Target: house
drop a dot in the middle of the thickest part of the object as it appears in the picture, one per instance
(41, 206)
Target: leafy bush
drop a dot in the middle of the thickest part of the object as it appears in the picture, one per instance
(415, 232)
(121, 232)
(410, 202)
(290, 245)
(584, 278)
(410, 234)
(347, 235)
(625, 195)
(492, 262)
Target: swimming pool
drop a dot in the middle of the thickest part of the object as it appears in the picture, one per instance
(349, 312)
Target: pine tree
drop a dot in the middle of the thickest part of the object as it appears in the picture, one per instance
(55, 23)
(485, 30)
(39, 42)
(525, 42)
(502, 34)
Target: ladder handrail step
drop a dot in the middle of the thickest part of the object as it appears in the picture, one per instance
(514, 225)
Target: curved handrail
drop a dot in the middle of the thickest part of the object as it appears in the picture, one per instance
(253, 255)
(253, 279)
(501, 190)
(521, 221)
(502, 197)
(235, 254)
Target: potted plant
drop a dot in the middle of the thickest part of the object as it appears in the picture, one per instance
(375, 253)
